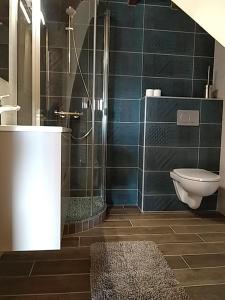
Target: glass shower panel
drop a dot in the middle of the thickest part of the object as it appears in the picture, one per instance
(72, 95)
(24, 65)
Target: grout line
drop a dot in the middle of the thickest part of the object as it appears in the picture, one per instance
(201, 238)
(43, 294)
(31, 270)
(203, 284)
(60, 274)
(170, 226)
(184, 261)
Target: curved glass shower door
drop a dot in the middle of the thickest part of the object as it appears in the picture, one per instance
(74, 84)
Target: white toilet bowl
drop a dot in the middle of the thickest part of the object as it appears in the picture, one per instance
(193, 184)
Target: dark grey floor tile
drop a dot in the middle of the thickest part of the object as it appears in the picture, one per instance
(176, 262)
(205, 260)
(206, 292)
(200, 276)
(192, 248)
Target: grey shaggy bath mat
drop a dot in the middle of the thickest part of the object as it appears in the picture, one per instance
(132, 271)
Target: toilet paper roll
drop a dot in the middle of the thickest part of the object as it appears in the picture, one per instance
(157, 93)
(149, 93)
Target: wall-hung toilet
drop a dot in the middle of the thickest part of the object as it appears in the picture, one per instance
(193, 184)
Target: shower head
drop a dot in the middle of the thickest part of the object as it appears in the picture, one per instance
(70, 11)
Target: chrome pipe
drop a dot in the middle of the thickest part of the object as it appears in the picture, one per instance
(105, 98)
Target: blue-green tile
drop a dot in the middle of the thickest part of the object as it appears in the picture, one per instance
(167, 159)
(210, 135)
(171, 135)
(211, 111)
(204, 45)
(165, 18)
(125, 63)
(165, 110)
(169, 87)
(123, 110)
(122, 178)
(122, 197)
(168, 42)
(124, 87)
(158, 183)
(123, 133)
(209, 159)
(122, 156)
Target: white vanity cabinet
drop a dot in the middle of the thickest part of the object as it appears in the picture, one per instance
(34, 186)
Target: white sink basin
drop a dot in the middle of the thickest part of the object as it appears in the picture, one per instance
(6, 108)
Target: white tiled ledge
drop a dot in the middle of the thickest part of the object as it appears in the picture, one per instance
(19, 128)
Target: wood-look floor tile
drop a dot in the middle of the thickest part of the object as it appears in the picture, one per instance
(8, 268)
(61, 267)
(64, 296)
(124, 211)
(176, 262)
(192, 248)
(207, 292)
(189, 277)
(213, 237)
(66, 253)
(117, 224)
(70, 242)
(205, 260)
(127, 231)
(44, 284)
(164, 222)
(199, 228)
(157, 238)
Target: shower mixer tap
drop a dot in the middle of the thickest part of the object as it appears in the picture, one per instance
(64, 114)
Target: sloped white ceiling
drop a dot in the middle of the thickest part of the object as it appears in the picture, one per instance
(209, 14)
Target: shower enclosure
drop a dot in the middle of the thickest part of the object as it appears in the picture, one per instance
(74, 93)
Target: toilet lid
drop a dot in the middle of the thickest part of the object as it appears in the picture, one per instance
(197, 174)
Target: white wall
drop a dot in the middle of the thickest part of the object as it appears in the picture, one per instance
(219, 85)
(208, 14)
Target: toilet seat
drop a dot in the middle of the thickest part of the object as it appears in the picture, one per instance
(197, 175)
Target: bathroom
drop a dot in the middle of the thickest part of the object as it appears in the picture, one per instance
(75, 75)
